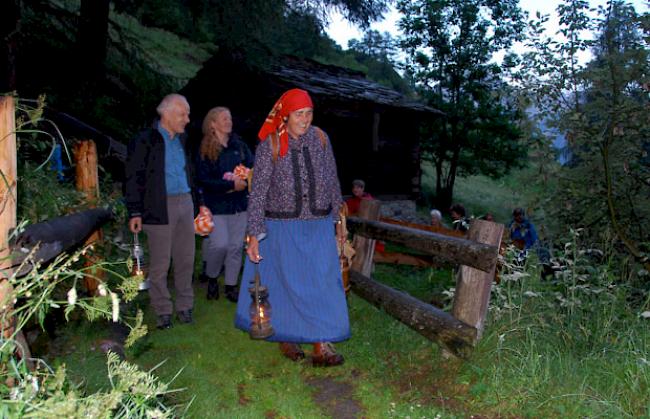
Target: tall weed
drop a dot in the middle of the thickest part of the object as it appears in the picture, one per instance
(572, 346)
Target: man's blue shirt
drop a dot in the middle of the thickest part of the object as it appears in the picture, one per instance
(175, 176)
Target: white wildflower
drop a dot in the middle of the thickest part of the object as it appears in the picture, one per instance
(532, 294)
(101, 289)
(116, 306)
(642, 272)
(72, 296)
(646, 314)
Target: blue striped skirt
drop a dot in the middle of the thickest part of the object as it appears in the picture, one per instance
(301, 269)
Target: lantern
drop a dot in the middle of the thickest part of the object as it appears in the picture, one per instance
(139, 267)
(260, 309)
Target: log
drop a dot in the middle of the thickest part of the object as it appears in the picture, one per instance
(473, 287)
(434, 229)
(429, 321)
(453, 249)
(58, 235)
(365, 247)
(87, 181)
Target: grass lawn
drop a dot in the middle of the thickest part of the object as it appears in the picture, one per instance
(562, 351)
(225, 374)
(525, 366)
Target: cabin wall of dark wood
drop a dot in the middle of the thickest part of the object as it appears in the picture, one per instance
(389, 164)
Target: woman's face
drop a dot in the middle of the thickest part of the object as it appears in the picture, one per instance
(222, 123)
(299, 122)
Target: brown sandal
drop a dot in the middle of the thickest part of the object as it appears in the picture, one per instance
(325, 355)
(293, 351)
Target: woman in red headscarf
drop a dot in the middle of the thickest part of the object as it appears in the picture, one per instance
(294, 202)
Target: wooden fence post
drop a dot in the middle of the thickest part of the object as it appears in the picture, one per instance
(365, 248)
(473, 286)
(8, 201)
(87, 181)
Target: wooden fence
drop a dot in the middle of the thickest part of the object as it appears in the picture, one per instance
(47, 239)
(457, 332)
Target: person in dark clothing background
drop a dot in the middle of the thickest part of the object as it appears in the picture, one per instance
(221, 174)
(459, 219)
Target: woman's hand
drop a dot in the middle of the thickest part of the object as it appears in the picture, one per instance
(253, 249)
(240, 184)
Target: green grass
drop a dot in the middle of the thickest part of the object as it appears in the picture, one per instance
(538, 358)
(534, 361)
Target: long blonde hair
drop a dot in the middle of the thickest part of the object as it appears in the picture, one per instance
(210, 145)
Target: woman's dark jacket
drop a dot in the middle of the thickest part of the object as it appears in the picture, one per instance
(145, 189)
(209, 178)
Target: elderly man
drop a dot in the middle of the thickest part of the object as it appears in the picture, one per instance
(159, 200)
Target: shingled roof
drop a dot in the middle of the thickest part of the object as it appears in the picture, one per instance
(341, 83)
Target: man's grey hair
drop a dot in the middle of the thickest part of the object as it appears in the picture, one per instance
(436, 213)
(170, 101)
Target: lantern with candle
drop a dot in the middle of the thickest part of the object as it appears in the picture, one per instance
(260, 310)
(139, 268)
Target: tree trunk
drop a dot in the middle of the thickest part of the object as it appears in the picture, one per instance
(431, 322)
(93, 38)
(9, 31)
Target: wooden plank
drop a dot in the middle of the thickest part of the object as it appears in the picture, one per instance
(8, 200)
(434, 324)
(365, 247)
(473, 287)
(434, 229)
(87, 181)
(453, 249)
(8, 176)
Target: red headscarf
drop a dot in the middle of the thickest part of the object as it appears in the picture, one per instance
(290, 101)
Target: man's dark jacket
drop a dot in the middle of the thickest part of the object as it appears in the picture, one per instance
(145, 187)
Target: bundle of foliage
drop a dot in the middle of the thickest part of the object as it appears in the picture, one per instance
(29, 387)
(601, 108)
(576, 344)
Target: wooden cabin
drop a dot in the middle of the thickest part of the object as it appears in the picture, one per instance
(373, 129)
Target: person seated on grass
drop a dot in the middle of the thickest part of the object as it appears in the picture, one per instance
(522, 234)
(354, 204)
(358, 194)
(488, 217)
(460, 221)
(436, 218)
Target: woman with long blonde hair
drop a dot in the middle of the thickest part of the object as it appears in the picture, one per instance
(226, 195)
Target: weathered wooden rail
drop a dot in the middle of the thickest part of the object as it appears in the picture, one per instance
(477, 254)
